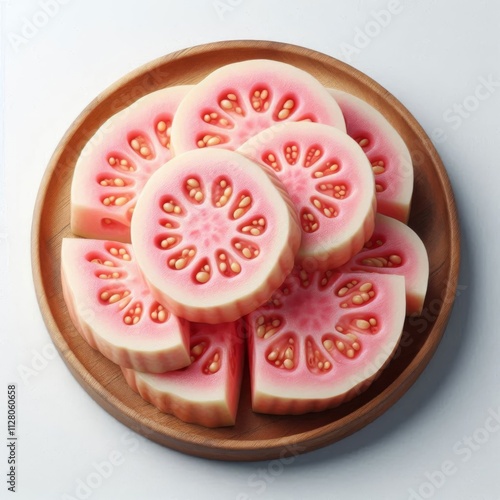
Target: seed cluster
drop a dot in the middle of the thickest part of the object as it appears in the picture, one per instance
(172, 207)
(203, 275)
(158, 313)
(325, 208)
(142, 147)
(163, 129)
(209, 140)
(282, 356)
(121, 163)
(309, 221)
(328, 169)
(271, 160)
(267, 327)
(246, 249)
(347, 344)
(390, 261)
(213, 365)
(222, 192)
(338, 191)
(286, 109)
(243, 206)
(356, 296)
(182, 259)
(121, 253)
(197, 350)
(133, 315)
(316, 361)
(363, 142)
(116, 200)
(215, 119)
(194, 190)
(312, 156)
(291, 153)
(112, 297)
(260, 100)
(115, 182)
(231, 104)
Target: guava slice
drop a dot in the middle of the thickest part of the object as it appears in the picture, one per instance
(214, 235)
(322, 339)
(112, 308)
(388, 154)
(238, 100)
(330, 182)
(207, 391)
(395, 248)
(116, 163)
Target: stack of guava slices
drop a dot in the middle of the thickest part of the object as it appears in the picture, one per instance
(254, 216)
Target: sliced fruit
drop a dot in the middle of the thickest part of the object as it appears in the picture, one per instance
(214, 235)
(207, 391)
(116, 163)
(394, 248)
(386, 150)
(112, 308)
(237, 101)
(330, 182)
(322, 339)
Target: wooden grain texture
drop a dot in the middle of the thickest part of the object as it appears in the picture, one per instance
(254, 437)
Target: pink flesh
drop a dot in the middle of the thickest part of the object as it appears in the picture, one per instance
(207, 391)
(209, 231)
(320, 164)
(152, 343)
(296, 364)
(94, 211)
(394, 248)
(209, 101)
(394, 179)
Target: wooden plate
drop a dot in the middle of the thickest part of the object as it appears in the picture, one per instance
(254, 436)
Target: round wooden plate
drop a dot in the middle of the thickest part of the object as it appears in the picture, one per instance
(254, 437)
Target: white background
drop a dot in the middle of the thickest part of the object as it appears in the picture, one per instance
(432, 56)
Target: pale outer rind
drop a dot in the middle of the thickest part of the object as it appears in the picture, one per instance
(395, 201)
(415, 266)
(243, 295)
(153, 348)
(112, 137)
(194, 394)
(324, 249)
(249, 74)
(286, 392)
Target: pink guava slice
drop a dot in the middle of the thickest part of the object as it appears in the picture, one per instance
(394, 248)
(238, 100)
(386, 150)
(112, 308)
(207, 391)
(116, 163)
(322, 339)
(214, 235)
(330, 182)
